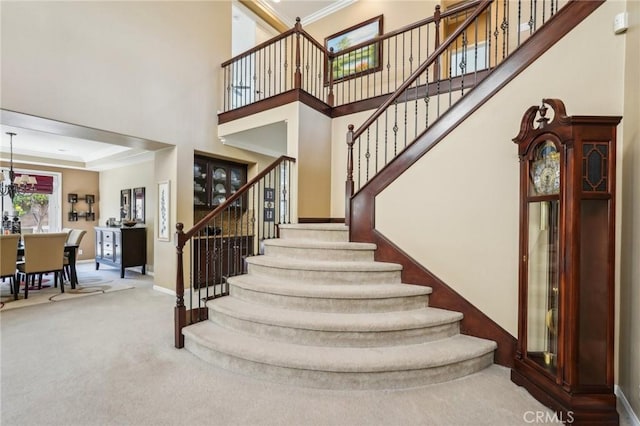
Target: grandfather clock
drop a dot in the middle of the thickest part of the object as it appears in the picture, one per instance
(564, 355)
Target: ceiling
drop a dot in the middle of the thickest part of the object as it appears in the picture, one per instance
(307, 10)
(45, 142)
(48, 143)
(35, 147)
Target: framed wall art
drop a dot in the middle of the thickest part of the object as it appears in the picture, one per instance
(125, 204)
(164, 210)
(138, 205)
(360, 61)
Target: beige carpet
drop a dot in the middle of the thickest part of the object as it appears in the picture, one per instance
(110, 360)
(89, 285)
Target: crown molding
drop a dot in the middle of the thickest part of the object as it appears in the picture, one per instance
(323, 13)
(265, 12)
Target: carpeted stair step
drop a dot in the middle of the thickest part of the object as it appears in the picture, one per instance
(335, 329)
(315, 231)
(329, 297)
(339, 367)
(324, 272)
(319, 250)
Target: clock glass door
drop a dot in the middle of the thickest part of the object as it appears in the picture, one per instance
(543, 256)
(543, 280)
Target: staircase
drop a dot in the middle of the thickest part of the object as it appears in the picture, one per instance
(317, 311)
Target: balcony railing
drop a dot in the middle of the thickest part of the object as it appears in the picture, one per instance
(295, 60)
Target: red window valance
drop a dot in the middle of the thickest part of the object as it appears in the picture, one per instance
(44, 184)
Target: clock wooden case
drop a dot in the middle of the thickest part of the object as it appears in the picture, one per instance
(564, 355)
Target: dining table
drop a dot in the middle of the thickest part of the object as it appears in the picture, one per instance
(71, 250)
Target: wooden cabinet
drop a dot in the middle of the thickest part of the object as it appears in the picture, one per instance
(218, 257)
(215, 180)
(121, 247)
(564, 354)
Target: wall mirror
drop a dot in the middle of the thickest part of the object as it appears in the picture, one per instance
(125, 204)
(138, 205)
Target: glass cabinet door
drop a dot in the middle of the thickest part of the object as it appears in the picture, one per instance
(219, 186)
(236, 180)
(200, 183)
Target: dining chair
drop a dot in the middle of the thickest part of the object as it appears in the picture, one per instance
(75, 238)
(43, 253)
(9, 245)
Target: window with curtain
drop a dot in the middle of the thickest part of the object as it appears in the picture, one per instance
(38, 208)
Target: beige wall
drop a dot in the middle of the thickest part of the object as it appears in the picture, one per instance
(462, 198)
(629, 365)
(397, 14)
(314, 164)
(79, 182)
(146, 69)
(140, 175)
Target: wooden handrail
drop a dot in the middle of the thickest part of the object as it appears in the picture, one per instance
(259, 47)
(203, 222)
(363, 228)
(297, 29)
(315, 42)
(180, 310)
(482, 5)
(453, 11)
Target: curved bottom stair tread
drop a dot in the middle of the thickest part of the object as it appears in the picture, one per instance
(340, 367)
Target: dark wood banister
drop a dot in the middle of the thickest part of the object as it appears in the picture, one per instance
(295, 30)
(481, 6)
(330, 55)
(203, 222)
(180, 310)
(363, 229)
(298, 29)
(260, 46)
(453, 11)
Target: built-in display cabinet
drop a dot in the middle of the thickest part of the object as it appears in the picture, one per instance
(215, 180)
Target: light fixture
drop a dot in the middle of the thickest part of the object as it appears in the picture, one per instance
(16, 184)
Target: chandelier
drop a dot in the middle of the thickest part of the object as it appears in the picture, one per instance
(16, 184)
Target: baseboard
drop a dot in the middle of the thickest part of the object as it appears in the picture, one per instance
(164, 290)
(627, 407)
(320, 220)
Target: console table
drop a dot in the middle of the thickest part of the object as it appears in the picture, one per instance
(121, 247)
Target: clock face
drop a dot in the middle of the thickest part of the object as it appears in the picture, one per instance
(545, 171)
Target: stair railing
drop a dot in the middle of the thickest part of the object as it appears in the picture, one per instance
(400, 51)
(221, 241)
(291, 60)
(478, 39)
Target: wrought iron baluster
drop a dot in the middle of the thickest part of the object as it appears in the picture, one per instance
(388, 65)
(367, 155)
(519, 18)
(395, 128)
(386, 134)
(505, 29)
(377, 143)
(359, 160)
